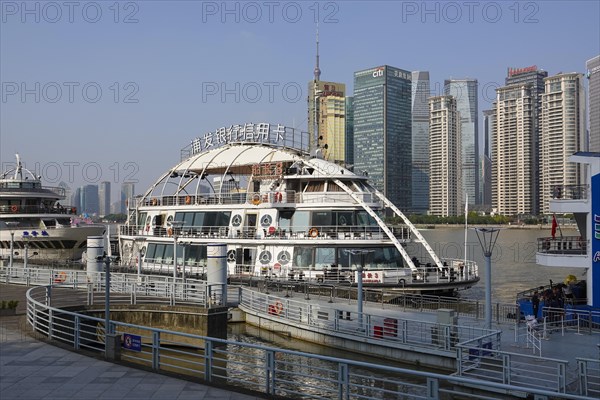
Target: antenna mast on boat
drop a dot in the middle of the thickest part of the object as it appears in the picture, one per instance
(317, 72)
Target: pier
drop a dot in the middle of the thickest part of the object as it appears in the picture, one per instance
(496, 372)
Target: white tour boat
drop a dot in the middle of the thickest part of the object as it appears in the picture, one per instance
(34, 224)
(283, 214)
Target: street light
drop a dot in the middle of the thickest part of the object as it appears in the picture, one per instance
(110, 339)
(184, 245)
(25, 238)
(487, 239)
(359, 288)
(174, 226)
(11, 227)
(139, 241)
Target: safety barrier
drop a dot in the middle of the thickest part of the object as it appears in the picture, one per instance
(272, 371)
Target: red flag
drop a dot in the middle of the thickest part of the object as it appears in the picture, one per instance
(554, 226)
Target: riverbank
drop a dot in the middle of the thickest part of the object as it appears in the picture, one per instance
(507, 226)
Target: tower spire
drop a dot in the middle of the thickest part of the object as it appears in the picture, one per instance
(317, 70)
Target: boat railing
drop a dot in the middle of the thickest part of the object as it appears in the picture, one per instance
(55, 190)
(337, 232)
(35, 209)
(572, 245)
(569, 192)
(285, 198)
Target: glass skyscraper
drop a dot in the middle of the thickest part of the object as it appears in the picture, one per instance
(465, 93)
(383, 131)
(349, 130)
(420, 142)
(593, 75)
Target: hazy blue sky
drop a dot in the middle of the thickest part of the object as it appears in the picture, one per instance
(158, 64)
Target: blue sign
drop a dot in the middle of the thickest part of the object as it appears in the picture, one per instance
(595, 295)
(132, 342)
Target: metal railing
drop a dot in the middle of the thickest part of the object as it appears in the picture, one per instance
(589, 377)
(480, 359)
(151, 288)
(338, 320)
(272, 198)
(569, 192)
(272, 371)
(574, 245)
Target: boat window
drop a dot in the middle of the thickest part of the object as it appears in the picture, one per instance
(303, 257)
(223, 218)
(321, 218)
(333, 187)
(142, 218)
(200, 219)
(325, 257)
(168, 256)
(188, 219)
(49, 222)
(285, 219)
(315, 186)
(301, 220)
(364, 219)
(344, 218)
(179, 216)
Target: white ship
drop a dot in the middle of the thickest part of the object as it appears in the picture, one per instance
(35, 224)
(283, 215)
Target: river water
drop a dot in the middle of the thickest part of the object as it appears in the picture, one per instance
(513, 260)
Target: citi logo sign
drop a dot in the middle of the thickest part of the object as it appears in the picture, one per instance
(597, 226)
(378, 73)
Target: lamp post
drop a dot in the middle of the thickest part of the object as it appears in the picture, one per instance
(11, 227)
(139, 241)
(174, 226)
(25, 238)
(487, 239)
(184, 246)
(359, 287)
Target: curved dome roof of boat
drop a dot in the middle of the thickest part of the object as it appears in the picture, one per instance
(19, 173)
(239, 159)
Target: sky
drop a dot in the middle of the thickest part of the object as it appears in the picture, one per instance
(112, 91)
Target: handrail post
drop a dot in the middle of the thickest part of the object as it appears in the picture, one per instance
(343, 381)
(433, 389)
(582, 375)
(76, 327)
(270, 372)
(155, 350)
(506, 369)
(208, 360)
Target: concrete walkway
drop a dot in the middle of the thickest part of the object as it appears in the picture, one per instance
(35, 370)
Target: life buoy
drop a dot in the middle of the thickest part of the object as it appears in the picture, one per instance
(170, 231)
(581, 243)
(14, 208)
(188, 200)
(154, 202)
(147, 228)
(73, 210)
(278, 197)
(256, 199)
(266, 198)
(313, 232)
(278, 307)
(60, 277)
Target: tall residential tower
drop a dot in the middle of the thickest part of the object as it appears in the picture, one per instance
(563, 133)
(593, 74)
(445, 198)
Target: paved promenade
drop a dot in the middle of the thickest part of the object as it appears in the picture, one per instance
(35, 370)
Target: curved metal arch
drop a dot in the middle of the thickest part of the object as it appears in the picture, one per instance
(231, 163)
(218, 153)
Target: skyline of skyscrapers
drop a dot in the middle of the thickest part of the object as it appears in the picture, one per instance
(465, 93)
(445, 157)
(383, 131)
(127, 195)
(506, 177)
